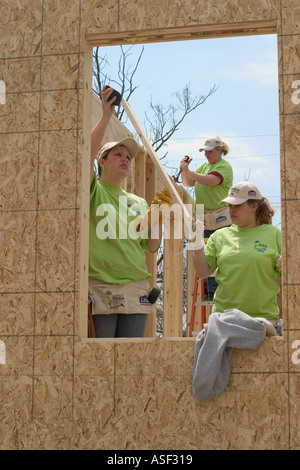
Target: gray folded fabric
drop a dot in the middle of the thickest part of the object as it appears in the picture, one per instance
(214, 346)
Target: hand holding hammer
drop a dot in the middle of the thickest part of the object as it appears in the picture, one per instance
(185, 159)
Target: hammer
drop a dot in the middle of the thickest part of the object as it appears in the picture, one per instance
(176, 178)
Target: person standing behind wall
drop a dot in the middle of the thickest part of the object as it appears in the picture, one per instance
(247, 255)
(212, 181)
(118, 275)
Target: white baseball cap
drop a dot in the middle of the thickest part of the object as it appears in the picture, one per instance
(130, 143)
(211, 143)
(214, 142)
(241, 192)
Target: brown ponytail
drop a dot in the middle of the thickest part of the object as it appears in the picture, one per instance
(264, 211)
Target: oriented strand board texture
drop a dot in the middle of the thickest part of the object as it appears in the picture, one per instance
(58, 391)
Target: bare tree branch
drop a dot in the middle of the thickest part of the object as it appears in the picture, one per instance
(166, 121)
(126, 72)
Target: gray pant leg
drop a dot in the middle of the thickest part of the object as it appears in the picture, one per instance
(105, 325)
(120, 325)
(131, 325)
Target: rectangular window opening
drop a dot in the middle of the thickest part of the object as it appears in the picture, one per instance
(237, 78)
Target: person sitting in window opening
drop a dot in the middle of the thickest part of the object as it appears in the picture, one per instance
(118, 276)
(247, 256)
(212, 181)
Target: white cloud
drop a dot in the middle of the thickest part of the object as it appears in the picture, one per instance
(263, 73)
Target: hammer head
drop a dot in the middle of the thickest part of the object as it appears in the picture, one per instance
(176, 178)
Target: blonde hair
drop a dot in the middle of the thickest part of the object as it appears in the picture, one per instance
(264, 211)
(224, 147)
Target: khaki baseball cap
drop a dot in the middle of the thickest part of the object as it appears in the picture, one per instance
(211, 143)
(130, 143)
(241, 192)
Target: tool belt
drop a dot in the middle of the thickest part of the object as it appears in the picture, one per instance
(217, 218)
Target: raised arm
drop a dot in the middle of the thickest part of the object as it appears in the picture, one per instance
(184, 167)
(190, 177)
(100, 128)
(206, 180)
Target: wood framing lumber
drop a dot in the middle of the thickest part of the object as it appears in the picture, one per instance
(164, 176)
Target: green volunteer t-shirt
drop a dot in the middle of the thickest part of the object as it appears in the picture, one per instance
(247, 272)
(210, 196)
(116, 253)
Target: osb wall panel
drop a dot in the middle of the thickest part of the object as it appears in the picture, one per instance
(58, 391)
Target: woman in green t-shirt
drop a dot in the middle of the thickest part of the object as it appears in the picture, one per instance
(118, 275)
(245, 256)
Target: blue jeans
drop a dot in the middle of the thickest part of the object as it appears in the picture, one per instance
(210, 282)
(120, 325)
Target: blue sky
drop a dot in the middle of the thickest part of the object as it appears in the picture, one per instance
(243, 111)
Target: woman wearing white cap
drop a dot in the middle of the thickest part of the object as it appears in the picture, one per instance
(118, 275)
(246, 255)
(212, 181)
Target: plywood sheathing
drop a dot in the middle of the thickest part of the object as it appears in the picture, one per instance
(58, 391)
